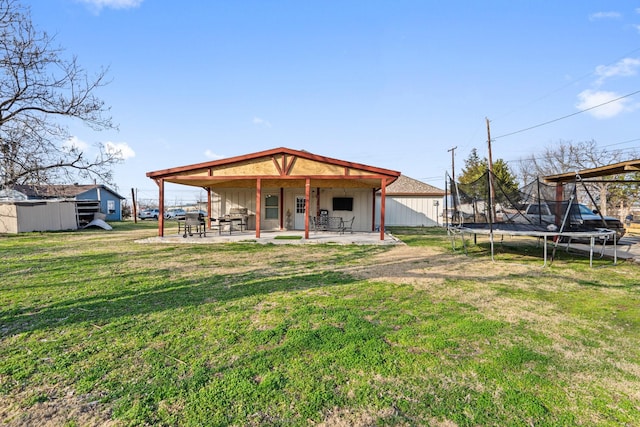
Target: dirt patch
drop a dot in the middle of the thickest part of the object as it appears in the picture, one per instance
(424, 266)
(344, 417)
(56, 411)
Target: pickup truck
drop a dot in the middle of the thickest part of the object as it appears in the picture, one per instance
(532, 214)
(581, 218)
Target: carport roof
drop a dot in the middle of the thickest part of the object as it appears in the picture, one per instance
(630, 166)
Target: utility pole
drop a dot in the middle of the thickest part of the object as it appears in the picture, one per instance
(492, 194)
(453, 180)
(453, 169)
(134, 207)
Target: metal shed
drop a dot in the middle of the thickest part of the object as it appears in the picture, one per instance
(26, 216)
(90, 199)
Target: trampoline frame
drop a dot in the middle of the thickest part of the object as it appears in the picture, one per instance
(602, 234)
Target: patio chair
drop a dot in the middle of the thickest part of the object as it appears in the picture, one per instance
(194, 222)
(347, 225)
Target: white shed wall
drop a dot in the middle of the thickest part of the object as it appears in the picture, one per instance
(411, 211)
(8, 218)
(39, 216)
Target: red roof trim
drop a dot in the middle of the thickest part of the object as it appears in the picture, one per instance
(268, 153)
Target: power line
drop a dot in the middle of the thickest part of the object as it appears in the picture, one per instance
(571, 83)
(567, 116)
(620, 150)
(623, 142)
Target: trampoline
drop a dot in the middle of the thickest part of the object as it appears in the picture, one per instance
(603, 236)
(490, 207)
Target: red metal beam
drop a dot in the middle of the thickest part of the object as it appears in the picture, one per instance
(258, 204)
(383, 198)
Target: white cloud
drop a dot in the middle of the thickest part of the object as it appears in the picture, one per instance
(121, 149)
(211, 155)
(261, 122)
(98, 5)
(604, 15)
(591, 98)
(623, 68)
(75, 143)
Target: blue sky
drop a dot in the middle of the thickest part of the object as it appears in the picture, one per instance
(393, 84)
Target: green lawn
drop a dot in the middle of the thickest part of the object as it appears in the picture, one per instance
(96, 328)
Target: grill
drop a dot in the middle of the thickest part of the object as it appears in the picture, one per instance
(238, 214)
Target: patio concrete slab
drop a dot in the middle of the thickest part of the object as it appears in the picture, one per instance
(294, 237)
(628, 248)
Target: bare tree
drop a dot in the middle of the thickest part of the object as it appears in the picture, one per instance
(569, 156)
(40, 89)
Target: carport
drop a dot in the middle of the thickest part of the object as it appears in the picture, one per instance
(596, 175)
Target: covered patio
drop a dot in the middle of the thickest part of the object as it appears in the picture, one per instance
(285, 190)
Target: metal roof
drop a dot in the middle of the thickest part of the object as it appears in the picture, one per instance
(630, 166)
(406, 186)
(59, 191)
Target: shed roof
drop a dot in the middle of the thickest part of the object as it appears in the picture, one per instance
(406, 186)
(59, 191)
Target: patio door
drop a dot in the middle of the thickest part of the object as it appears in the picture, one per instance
(298, 220)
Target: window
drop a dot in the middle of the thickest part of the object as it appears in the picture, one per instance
(111, 206)
(271, 207)
(343, 203)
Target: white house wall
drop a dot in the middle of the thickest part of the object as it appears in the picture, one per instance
(362, 205)
(410, 211)
(223, 200)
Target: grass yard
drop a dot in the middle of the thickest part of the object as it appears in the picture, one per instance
(99, 330)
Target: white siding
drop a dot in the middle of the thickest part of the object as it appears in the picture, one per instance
(411, 211)
(37, 216)
(225, 199)
(362, 206)
(8, 218)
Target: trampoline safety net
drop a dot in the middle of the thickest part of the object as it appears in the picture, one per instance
(536, 206)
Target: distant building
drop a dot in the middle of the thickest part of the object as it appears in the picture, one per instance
(33, 207)
(412, 203)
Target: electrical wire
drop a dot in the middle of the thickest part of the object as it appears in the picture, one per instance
(567, 116)
(569, 84)
(621, 150)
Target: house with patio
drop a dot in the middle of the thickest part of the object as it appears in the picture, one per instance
(285, 189)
